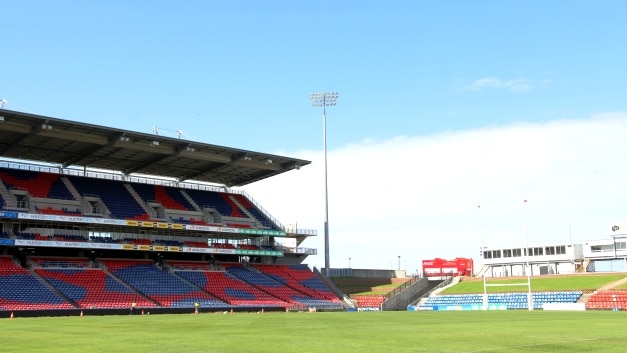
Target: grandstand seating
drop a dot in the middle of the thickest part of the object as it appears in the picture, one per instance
(69, 237)
(222, 246)
(38, 184)
(254, 211)
(247, 247)
(115, 196)
(277, 289)
(227, 288)
(216, 200)
(60, 262)
(169, 197)
(608, 300)
(20, 290)
(140, 241)
(123, 205)
(167, 242)
(515, 300)
(58, 211)
(299, 277)
(163, 287)
(88, 287)
(368, 301)
(197, 244)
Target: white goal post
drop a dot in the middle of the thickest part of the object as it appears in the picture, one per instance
(528, 284)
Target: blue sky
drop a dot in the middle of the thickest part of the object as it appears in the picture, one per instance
(436, 78)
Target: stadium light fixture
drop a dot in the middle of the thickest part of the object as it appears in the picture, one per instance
(324, 100)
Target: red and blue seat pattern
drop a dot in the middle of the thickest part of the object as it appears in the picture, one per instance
(20, 290)
(231, 290)
(163, 287)
(92, 288)
(278, 289)
(38, 184)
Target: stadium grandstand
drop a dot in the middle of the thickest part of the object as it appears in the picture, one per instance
(97, 220)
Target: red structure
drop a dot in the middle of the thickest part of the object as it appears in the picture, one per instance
(441, 269)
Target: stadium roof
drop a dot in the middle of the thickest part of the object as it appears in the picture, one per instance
(67, 143)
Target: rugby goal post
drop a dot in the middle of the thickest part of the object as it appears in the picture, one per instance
(528, 284)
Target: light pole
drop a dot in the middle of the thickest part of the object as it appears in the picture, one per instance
(482, 249)
(349, 262)
(399, 262)
(324, 100)
(529, 295)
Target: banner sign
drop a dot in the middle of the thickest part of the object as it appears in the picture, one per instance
(134, 223)
(274, 233)
(6, 241)
(67, 244)
(258, 252)
(112, 246)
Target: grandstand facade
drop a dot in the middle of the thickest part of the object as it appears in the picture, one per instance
(601, 255)
(98, 218)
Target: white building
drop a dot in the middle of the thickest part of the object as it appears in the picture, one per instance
(602, 255)
(542, 260)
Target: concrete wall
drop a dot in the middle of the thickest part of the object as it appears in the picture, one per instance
(365, 273)
(409, 295)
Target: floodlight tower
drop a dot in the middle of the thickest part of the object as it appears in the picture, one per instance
(324, 100)
(529, 294)
(2, 103)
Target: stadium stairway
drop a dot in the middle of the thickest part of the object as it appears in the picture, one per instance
(52, 288)
(4, 193)
(585, 297)
(139, 200)
(70, 187)
(242, 208)
(584, 267)
(122, 283)
(190, 200)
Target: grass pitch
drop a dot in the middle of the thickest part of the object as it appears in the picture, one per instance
(476, 331)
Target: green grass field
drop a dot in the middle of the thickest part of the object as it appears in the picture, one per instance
(477, 331)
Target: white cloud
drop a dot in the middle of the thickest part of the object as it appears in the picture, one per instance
(416, 197)
(517, 85)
